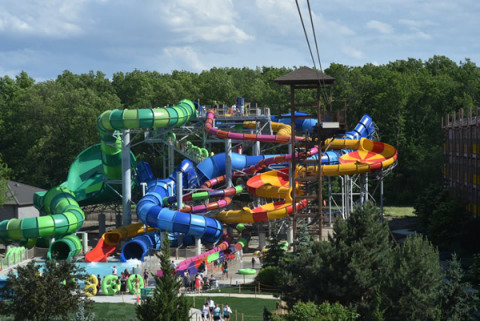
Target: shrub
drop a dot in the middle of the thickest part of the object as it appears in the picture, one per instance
(269, 276)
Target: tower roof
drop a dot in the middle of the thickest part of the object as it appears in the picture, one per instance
(305, 75)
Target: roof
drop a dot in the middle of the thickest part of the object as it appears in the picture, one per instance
(21, 194)
(305, 75)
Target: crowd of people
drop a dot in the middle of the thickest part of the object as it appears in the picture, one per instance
(212, 312)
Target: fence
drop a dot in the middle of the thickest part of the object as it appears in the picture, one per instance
(15, 255)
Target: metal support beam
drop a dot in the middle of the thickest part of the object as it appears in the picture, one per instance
(171, 159)
(126, 179)
(228, 162)
(179, 189)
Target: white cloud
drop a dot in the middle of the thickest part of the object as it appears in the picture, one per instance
(184, 56)
(352, 52)
(379, 26)
(210, 20)
(53, 18)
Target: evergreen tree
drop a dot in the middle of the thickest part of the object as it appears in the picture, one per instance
(166, 303)
(311, 312)
(474, 271)
(348, 269)
(458, 300)
(275, 253)
(51, 295)
(412, 290)
(303, 241)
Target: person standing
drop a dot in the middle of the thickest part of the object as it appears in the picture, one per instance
(205, 312)
(216, 313)
(225, 268)
(123, 283)
(145, 277)
(226, 312)
(253, 262)
(211, 307)
(198, 283)
(99, 284)
(137, 284)
(114, 270)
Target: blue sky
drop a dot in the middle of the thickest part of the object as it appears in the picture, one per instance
(45, 37)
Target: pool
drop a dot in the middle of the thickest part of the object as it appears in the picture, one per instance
(105, 269)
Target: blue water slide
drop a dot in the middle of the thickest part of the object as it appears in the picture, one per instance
(144, 172)
(365, 128)
(214, 166)
(151, 212)
(140, 246)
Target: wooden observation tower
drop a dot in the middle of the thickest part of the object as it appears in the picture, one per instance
(314, 88)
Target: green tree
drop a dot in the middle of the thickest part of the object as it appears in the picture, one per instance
(412, 288)
(53, 294)
(166, 304)
(303, 242)
(348, 269)
(458, 300)
(4, 175)
(275, 253)
(448, 225)
(311, 312)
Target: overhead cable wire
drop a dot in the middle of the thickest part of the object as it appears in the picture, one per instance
(321, 80)
(306, 35)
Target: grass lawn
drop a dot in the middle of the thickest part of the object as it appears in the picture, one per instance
(399, 212)
(251, 308)
(114, 311)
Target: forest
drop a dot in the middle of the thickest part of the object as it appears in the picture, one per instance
(45, 125)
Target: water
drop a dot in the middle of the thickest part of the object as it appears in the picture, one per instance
(103, 269)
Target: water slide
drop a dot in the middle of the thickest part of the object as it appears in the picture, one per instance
(160, 193)
(109, 241)
(64, 218)
(85, 183)
(350, 154)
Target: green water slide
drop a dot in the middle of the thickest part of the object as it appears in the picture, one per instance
(65, 217)
(86, 181)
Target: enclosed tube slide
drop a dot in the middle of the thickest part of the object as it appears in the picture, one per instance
(109, 241)
(64, 217)
(138, 247)
(150, 208)
(365, 128)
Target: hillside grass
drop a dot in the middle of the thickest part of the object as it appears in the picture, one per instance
(251, 308)
(399, 211)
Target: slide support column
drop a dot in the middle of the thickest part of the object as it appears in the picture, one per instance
(179, 182)
(198, 246)
(126, 179)
(228, 162)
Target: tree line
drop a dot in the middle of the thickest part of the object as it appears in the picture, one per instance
(45, 125)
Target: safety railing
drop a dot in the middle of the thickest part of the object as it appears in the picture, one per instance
(15, 255)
